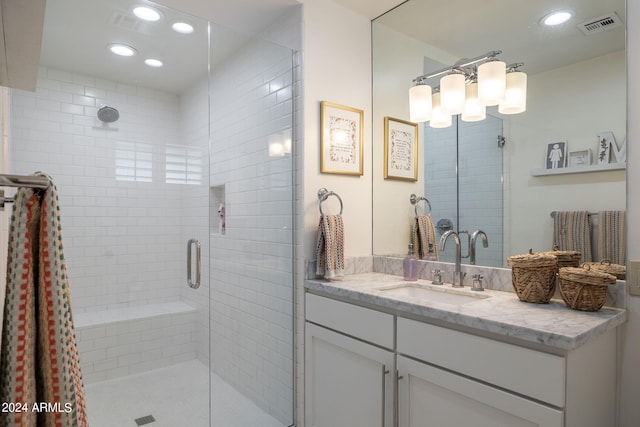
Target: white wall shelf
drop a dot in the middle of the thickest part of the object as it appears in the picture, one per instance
(579, 169)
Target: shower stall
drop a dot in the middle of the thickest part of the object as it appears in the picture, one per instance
(176, 194)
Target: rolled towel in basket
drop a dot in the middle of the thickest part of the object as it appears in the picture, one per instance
(330, 247)
(423, 237)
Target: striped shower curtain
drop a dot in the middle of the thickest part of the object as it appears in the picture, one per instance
(39, 366)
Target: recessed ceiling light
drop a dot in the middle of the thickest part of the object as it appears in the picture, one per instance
(156, 63)
(147, 13)
(121, 49)
(182, 27)
(556, 18)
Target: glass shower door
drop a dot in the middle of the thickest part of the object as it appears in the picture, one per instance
(251, 263)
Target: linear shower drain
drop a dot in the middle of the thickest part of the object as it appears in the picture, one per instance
(147, 419)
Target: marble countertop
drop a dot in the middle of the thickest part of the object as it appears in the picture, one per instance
(551, 325)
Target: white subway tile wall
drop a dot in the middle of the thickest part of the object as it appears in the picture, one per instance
(121, 220)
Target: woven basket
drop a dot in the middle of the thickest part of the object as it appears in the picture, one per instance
(565, 258)
(583, 289)
(533, 277)
(605, 266)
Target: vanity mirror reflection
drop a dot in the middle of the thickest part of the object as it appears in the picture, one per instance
(486, 174)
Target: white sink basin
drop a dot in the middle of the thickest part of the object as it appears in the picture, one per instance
(432, 294)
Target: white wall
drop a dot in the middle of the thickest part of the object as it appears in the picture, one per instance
(571, 104)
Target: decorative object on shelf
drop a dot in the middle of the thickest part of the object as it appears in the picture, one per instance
(222, 225)
(467, 88)
(400, 149)
(341, 142)
(579, 158)
(608, 151)
(556, 155)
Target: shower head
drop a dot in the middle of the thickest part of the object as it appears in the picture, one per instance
(108, 114)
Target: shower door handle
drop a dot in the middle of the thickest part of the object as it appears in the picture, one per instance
(190, 244)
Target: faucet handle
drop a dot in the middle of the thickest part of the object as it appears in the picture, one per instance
(437, 276)
(477, 282)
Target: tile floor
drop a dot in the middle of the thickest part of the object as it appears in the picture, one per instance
(176, 396)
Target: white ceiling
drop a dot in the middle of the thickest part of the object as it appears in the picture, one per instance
(77, 31)
(468, 28)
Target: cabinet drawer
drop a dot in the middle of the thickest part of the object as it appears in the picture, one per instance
(529, 372)
(362, 323)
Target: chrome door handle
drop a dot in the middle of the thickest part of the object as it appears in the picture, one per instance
(190, 244)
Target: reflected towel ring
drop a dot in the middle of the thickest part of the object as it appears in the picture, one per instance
(323, 194)
(416, 199)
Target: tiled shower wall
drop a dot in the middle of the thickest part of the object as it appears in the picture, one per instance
(120, 217)
(252, 263)
(476, 179)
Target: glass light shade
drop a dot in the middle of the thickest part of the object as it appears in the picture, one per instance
(420, 103)
(452, 93)
(439, 119)
(474, 109)
(515, 98)
(491, 82)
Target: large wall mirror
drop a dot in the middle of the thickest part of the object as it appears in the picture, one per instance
(576, 92)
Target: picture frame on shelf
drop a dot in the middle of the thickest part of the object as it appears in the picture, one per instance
(556, 155)
(400, 149)
(341, 139)
(579, 158)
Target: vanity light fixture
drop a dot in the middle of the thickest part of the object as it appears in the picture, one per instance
(467, 88)
(147, 13)
(182, 27)
(121, 49)
(556, 18)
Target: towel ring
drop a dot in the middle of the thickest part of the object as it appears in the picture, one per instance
(416, 199)
(323, 194)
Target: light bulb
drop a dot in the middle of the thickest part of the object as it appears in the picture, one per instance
(420, 103)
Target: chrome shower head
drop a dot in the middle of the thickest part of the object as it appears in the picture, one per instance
(108, 114)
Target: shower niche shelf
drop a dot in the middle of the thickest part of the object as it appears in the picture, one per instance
(579, 169)
(218, 210)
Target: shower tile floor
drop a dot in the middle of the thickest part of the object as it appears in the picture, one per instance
(176, 396)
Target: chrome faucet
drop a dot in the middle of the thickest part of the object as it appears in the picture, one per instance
(472, 246)
(458, 275)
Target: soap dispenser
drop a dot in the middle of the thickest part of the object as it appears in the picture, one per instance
(410, 265)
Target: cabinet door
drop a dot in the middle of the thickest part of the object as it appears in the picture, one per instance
(347, 382)
(429, 396)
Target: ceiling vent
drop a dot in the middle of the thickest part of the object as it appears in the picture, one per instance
(602, 23)
(125, 21)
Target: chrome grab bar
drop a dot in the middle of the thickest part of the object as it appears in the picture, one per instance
(190, 243)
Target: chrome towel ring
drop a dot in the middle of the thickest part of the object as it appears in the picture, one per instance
(323, 194)
(416, 199)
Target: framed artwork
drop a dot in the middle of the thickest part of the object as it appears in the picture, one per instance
(341, 145)
(400, 149)
(556, 157)
(579, 158)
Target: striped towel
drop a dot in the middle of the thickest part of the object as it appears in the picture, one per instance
(611, 236)
(330, 247)
(39, 359)
(572, 232)
(423, 237)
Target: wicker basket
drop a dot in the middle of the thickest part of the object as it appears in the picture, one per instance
(565, 258)
(583, 289)
(605, 266)
(534, 276)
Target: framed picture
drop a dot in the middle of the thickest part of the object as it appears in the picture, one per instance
(400, 149)
(341, 142)
(556, 155)
(579, 158)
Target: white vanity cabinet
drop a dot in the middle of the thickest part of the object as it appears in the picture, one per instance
(446, 377)
(348, 380)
